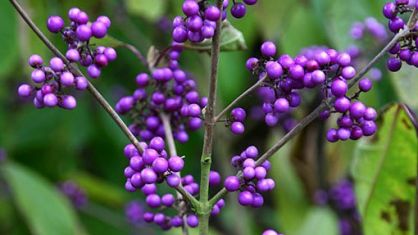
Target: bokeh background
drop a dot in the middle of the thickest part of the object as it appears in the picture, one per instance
(44, 148)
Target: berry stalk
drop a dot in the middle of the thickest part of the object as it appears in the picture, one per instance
(240, 97)
(206, 158)
(315, 113)
(93, 91)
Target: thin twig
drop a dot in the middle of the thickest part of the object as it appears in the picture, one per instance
(240, 97)
(93, 91)
(315, 113)
(137, 53)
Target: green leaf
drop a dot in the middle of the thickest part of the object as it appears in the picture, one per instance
(231, 40)
(384, 169)
(107, 41)
(405, 82)
(319, 221)
(45, 210)
(152, 10)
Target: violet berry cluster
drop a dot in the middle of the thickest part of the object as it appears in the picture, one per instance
(199, 22)
(152, 167)
(51, 80)
(78, 35)
(74, 193)
(369, 27)
(323, 68)
(356, 119)
(168, 90)
(406, 49)
(341, 197)
(253, 181)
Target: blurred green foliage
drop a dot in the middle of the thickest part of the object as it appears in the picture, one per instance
(48, 146)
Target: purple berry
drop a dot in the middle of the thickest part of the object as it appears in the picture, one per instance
(232, 183)
(212, 13)
(237, 128)
(281, 105)
(176, 164)
(274, 69)
(68, 102)
(190, 8)
(56, 64)
(93, 71)
(394, 64)
(73, 55)
(105, 20)
(50, 100)
(342, 104)
(245, 198)
(357, 110)
(339, 88)
(67, 79)
(35, 61)
(192, 221)
(238, 114)
(38, 76)
(268, 49)
(24, 90)
(83, 33)
(55, 24)
(238, 10)
(365, 85)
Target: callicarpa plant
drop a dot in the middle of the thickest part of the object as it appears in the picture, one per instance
(165, 104)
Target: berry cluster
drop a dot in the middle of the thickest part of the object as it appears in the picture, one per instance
(406, 49)
(370, 27)
(271, 232)
(154, 167)
(253, 181)
(74, 193)
(77, 36)
(52, 80)
(199, 22)
(320, 67)
(169, 90)
(342, 199)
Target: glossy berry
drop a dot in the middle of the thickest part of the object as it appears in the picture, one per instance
(237, 128)
(55, 24)
(232, 183)
(268, 49)
(238, 10)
